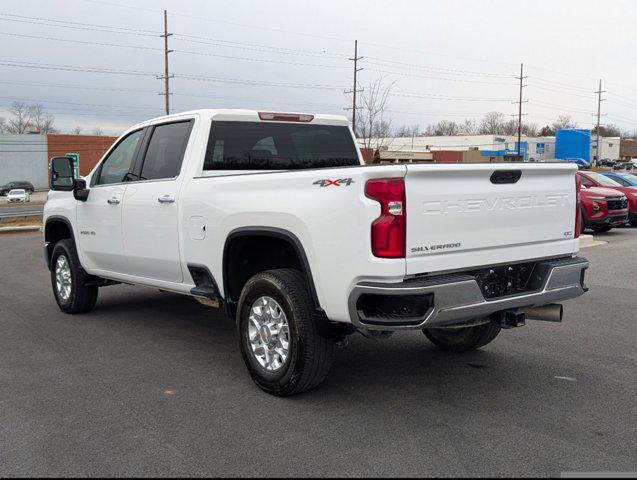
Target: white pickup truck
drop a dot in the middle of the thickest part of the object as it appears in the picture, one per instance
(276, 219)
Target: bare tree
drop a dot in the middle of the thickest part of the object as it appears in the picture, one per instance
(97, 131)
(492, 124)
(40, 120)
(510, 127)
(3, 125)
(371, 126)
(20, 122)
(564, 122)
(530, 129)
(403, 131)
(469, 127)
(407, 131)
(76, 131)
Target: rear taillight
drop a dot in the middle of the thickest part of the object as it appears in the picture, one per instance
(578, 206)
(389, 229)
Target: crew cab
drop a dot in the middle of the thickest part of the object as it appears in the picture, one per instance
(275, 218)
(606, 203)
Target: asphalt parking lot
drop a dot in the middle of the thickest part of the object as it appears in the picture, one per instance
(153, 384)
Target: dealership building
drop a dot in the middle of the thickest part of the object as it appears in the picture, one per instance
(481, 148)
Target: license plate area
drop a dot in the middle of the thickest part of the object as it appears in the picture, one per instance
(502, 281)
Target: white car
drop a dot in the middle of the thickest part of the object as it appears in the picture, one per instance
(18, 196)
(276, 218)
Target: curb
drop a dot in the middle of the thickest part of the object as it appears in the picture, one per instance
(586, 241)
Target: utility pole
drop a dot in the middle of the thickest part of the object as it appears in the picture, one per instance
(599, 119)
(522, 77)
(166, 76)
(355, 90)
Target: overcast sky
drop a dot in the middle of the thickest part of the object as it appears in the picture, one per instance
(464, 52)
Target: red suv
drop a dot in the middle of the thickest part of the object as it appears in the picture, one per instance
(602, 208)
(594, 179)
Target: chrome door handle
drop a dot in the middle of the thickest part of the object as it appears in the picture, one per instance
(113, 201)
(166, 199)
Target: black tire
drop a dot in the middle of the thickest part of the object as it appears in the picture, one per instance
(583, 223)
(633, 223)
(82, 298)
(310, 355)
(603, 229)
(463, 339)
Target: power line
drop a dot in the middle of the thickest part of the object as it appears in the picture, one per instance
(217, 20)
(111, 71)
(413, 75)
(258, 47)
(71, 68)
(79, 103)
(78, 27)
(186, 52)
(77, 87)
(441, 70)
(81, 42)
(428, 96)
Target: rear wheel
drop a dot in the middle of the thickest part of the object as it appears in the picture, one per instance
(279, 338)
(69, 280)
(463, 339)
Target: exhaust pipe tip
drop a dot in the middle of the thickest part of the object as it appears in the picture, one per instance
(553, 312)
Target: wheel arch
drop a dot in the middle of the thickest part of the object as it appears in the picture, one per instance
(56, 228)
(278, 237)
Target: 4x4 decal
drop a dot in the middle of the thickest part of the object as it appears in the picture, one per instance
(337, 183)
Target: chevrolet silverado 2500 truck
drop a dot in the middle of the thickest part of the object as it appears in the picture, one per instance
(276, 219)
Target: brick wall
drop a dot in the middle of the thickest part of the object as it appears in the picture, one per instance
(91, 148)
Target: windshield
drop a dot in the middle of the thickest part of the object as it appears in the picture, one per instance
(278, 146)
(603, 180)
(17, 192)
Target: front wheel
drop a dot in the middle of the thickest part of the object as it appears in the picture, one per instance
(463, 339)
(69, 280)
(604, 229)
(279, 339)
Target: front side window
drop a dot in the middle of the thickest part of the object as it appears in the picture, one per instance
(278, 146)
(166, 151)
(118, 163)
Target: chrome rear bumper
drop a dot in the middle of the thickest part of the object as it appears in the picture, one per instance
(457, 298)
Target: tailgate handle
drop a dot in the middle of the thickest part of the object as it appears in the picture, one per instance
(506, 176)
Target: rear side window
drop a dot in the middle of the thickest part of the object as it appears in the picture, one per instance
(278, 146)
(165, 152)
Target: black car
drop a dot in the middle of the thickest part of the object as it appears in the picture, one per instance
(607, 162)
(28, 186)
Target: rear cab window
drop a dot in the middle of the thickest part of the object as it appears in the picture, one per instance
(278, 146)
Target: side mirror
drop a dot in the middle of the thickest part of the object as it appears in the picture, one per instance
(588, 184)
(62, 174)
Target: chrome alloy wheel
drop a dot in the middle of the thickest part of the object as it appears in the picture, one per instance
(269, 334)
(63, 280)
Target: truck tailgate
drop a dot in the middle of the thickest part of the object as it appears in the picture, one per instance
(470, 215)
